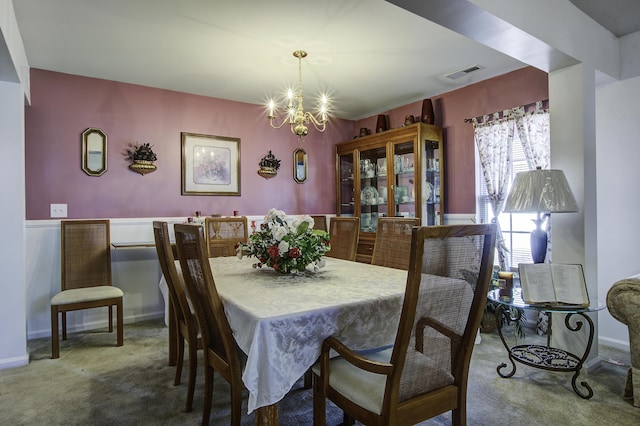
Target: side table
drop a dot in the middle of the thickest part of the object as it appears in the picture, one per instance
(541, 356)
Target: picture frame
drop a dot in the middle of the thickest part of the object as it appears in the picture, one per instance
(210, 164)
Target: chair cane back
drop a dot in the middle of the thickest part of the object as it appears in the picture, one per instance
(319, 222)
(343, 235)
(223, 233)
(184, 321)
(86, 277)
(393, 242)
(220, 351)
(425, 373)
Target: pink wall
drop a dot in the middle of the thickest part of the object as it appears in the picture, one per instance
(519, 87)
(63, 106)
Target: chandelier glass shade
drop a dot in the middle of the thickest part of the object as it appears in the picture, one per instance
(297, 118)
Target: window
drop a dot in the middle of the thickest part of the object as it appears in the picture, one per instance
(515, 227)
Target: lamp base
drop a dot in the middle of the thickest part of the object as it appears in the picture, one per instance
(538, 244)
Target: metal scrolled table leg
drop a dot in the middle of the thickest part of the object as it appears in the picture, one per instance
(578, 367)
(499, 316)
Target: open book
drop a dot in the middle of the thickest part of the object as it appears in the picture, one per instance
(553, 284)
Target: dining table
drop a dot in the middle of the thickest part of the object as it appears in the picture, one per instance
(280, 320)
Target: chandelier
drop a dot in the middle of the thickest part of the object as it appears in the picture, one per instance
(296, 117)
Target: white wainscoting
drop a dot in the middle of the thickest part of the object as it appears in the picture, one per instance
(135, 271)
(459, 219)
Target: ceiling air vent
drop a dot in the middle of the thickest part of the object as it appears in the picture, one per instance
(461, 73)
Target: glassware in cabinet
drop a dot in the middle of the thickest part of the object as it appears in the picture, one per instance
(404, 189)
(373, 187)
(433, 180)
(346, 185)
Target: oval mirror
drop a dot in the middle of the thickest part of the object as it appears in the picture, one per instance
(299, 165)
(94, 152)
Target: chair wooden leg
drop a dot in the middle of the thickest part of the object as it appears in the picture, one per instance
(174, 334)
(193, 368)
(236, 406)
(208, 393)
(319, 403)
(55, 338)
(64, 325)
(179, 362)
(347, 420)
(459, 416)
(110, 319)
(120, 323)
(307, 379)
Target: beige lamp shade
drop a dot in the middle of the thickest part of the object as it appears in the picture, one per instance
(540, 191)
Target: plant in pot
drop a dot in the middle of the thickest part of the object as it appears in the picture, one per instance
(142, 158)
(508, 315)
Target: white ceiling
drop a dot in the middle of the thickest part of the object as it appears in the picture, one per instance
(369, 55)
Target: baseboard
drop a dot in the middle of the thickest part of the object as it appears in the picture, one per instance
(18, 361)
(614, 343)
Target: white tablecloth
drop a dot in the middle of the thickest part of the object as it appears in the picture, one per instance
(280, 321)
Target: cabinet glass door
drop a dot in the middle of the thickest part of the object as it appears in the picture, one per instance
(404, 196)
(432, 183)
(346, 186)
(373, 188)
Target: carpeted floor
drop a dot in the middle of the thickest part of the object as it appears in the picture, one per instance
(96, 383)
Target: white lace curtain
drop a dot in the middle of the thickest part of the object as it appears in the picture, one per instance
(533, 129)
(494, 138)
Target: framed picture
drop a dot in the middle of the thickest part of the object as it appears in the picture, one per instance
(210, 165)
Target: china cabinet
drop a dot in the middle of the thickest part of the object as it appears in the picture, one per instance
(399, 172)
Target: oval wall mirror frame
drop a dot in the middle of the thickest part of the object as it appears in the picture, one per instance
(299, 165)
(94, 152)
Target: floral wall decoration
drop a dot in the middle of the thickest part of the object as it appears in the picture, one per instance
(142, 158)
(269, 166)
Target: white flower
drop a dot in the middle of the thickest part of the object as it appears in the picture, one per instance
(309, 220)
(279, 232)
(283, 248)
(293, 226)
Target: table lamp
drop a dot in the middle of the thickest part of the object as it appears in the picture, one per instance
(542, 192)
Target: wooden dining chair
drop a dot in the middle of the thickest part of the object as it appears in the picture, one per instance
(220, 351)
(223, 233)
(425, 373)
(393, 242)
(319, 222)
(184, 321)
(343, 235)
(86, 277)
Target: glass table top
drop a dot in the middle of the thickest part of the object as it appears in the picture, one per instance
(517, 302)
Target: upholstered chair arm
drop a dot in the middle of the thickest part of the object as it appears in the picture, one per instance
(623, 302)
(353, 357)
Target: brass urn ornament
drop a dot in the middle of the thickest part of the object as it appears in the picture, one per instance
(269, 166)
(142, 157)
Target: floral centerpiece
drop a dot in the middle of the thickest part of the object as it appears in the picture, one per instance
(288, 245)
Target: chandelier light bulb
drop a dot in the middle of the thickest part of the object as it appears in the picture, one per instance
(297, 117)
